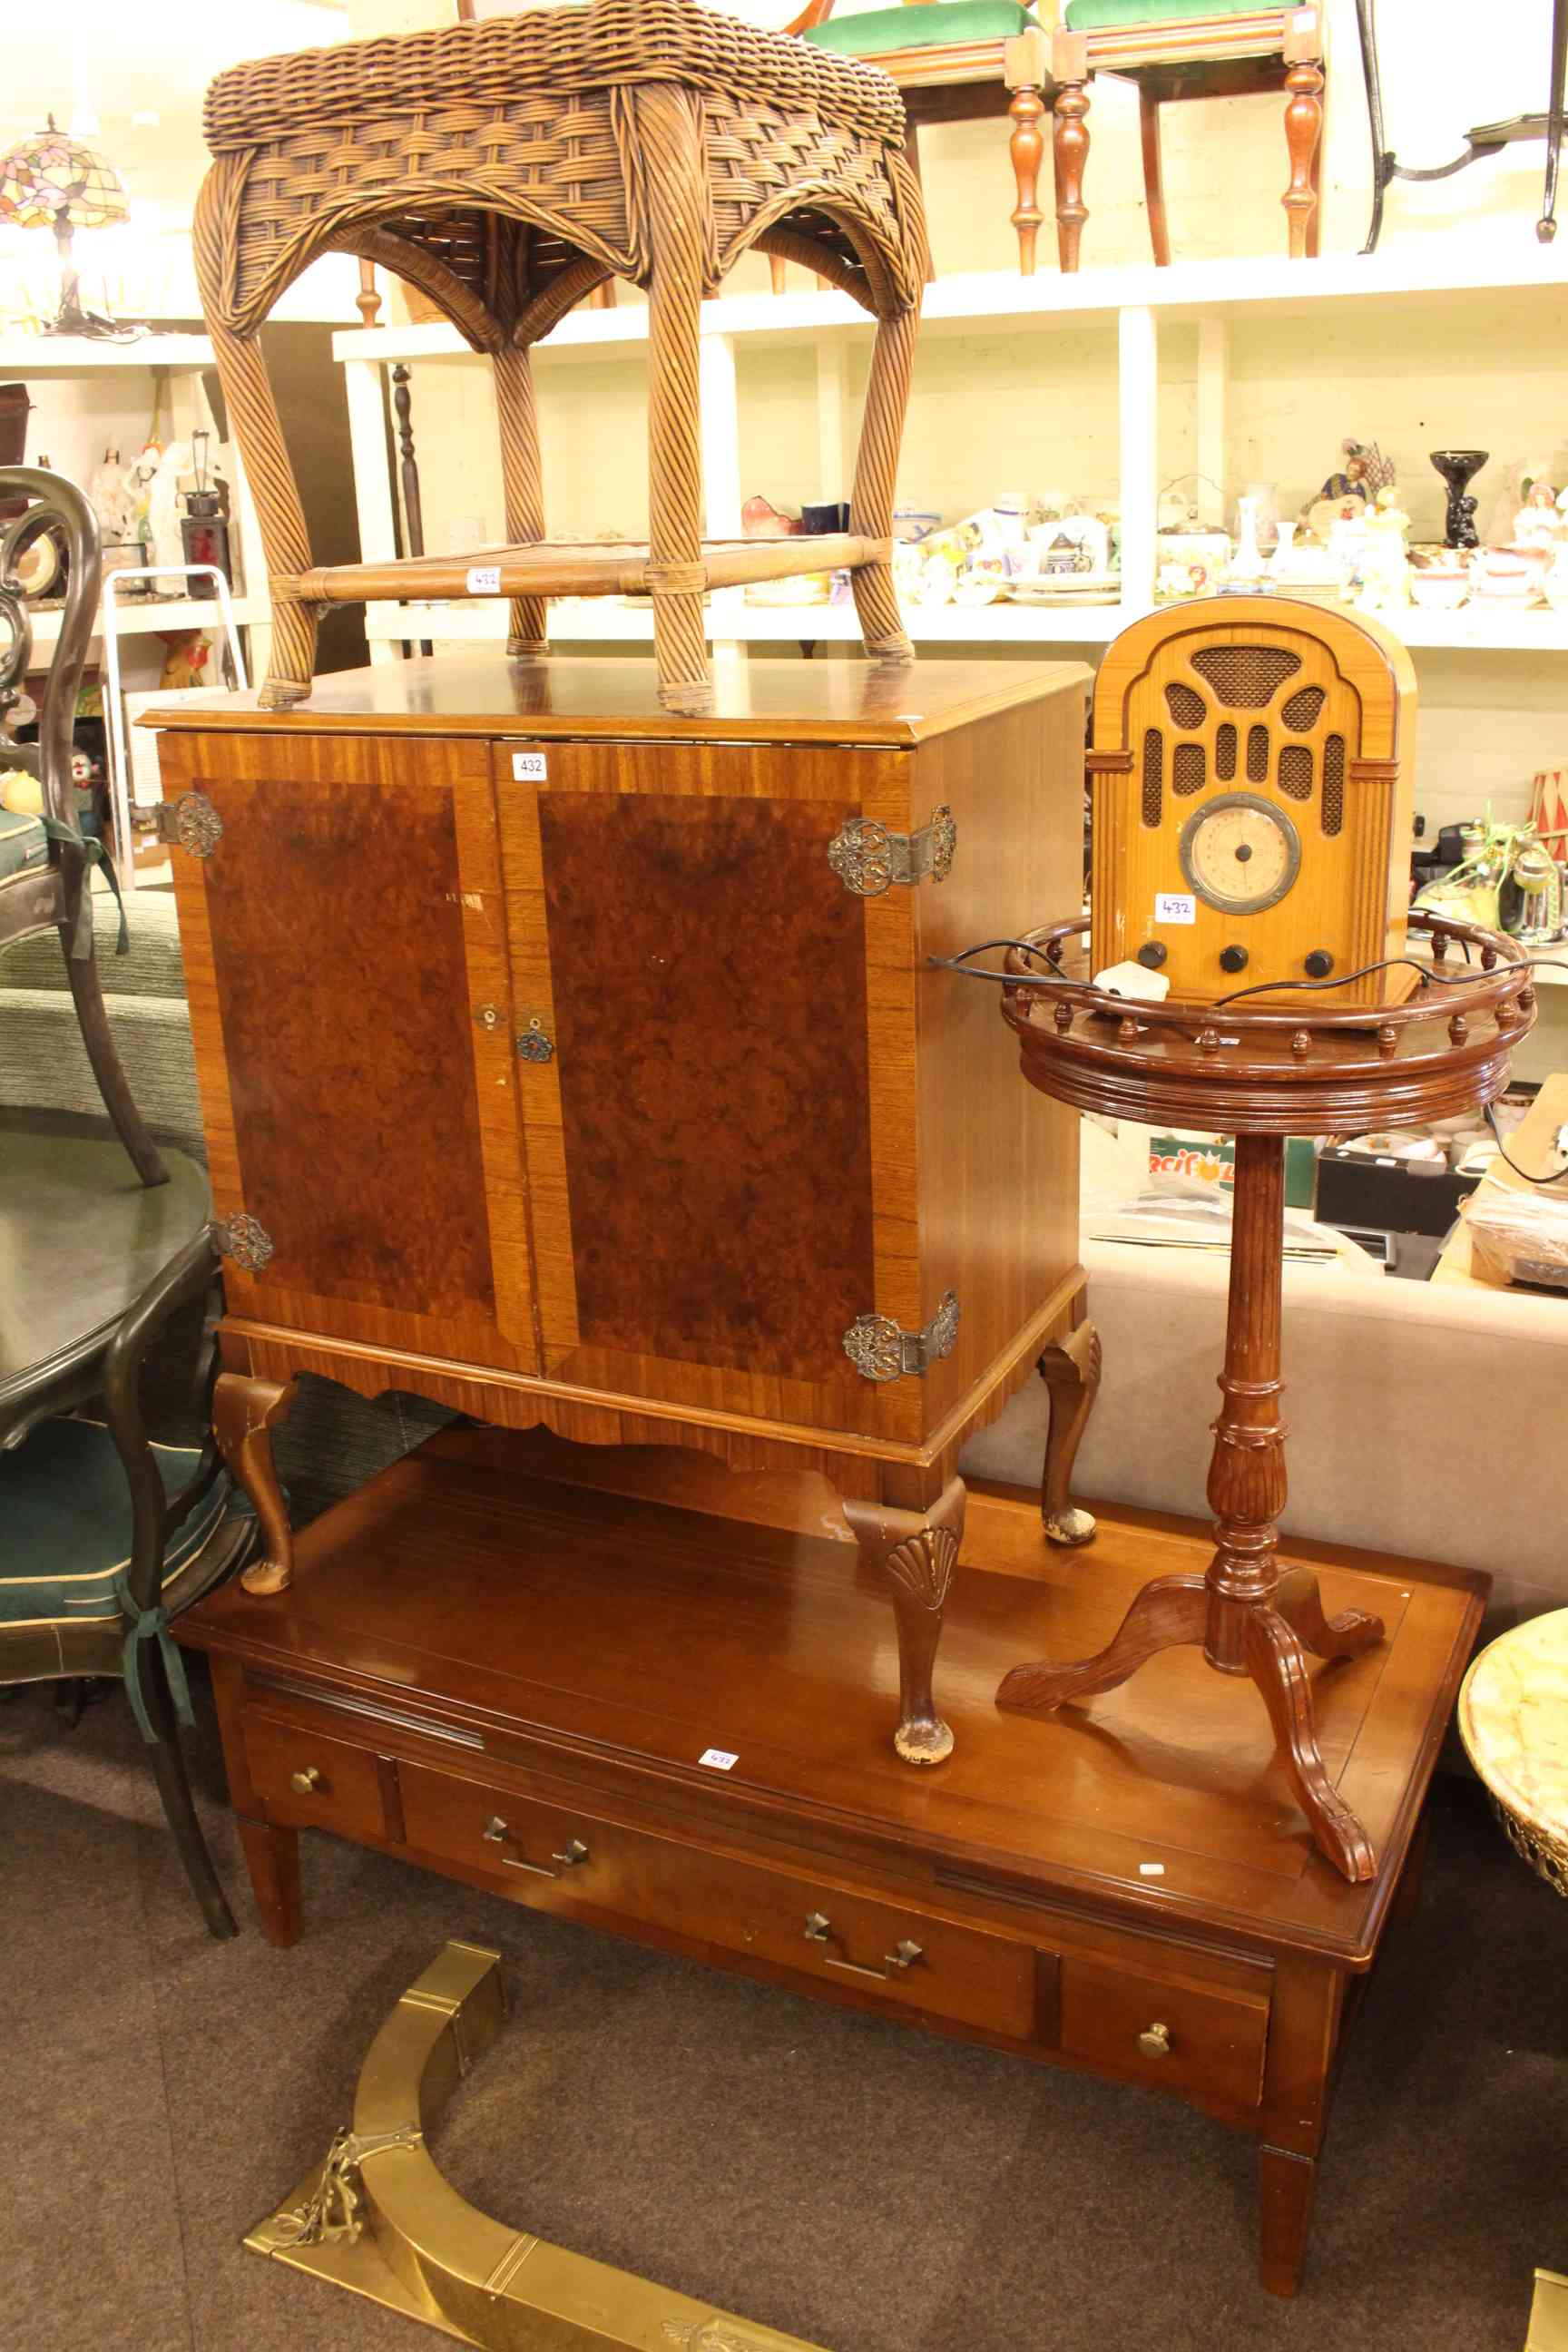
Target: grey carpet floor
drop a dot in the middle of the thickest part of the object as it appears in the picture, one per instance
(868, 2188)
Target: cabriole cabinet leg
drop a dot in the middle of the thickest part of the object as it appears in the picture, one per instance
(1070, 1371)
(917, 1551)
(246, 1412)
(272, 1862)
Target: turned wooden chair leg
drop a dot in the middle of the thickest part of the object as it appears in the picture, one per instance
(1027, 147)
(92, 1019)
(871, 501)
(246, 1412)
(522, 478)
(1167, 1613)
(1153, 173)
(917, 1552)
(668, 127)
(1303, 132)
(778, 269)
(1070, 142)
(1070, 1369)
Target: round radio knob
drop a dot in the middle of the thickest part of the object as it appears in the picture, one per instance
(1152, 954)
(1232, 959)
(1320, 963)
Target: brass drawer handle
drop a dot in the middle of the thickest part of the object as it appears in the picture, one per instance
(1155, 2042)
(571, 1854)
(307, 1783)
(819, 1930)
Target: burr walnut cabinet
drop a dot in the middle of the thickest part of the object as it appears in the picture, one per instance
(570, 1062)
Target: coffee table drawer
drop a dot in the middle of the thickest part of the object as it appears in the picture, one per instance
(559, 1858)
(309, 1777)
(1181, 2035)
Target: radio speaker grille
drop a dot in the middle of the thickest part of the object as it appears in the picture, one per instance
(1245, 677)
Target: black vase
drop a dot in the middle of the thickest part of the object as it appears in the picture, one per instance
(1457, 466)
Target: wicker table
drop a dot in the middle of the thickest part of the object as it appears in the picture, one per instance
(508, 169)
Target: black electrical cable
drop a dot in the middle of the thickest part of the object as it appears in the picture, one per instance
(1555, 1178)
(1429, 972)
(959, 964)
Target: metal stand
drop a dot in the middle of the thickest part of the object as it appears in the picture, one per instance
(1487, 138)
(114, 707)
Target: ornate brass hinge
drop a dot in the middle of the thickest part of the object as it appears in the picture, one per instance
(242, 1238)
(868, 859)
(880, 1350)
(190, 823)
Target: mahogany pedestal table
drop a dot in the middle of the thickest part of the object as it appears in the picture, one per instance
(1235, 1067)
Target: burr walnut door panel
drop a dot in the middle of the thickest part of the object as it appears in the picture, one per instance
(346, 965)
(722, 1145)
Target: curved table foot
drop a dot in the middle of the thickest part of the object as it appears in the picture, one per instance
(1300, 1603)
(1277, 1664)
(1167, 1613)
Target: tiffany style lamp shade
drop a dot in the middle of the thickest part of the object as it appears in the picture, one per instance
(51, 181)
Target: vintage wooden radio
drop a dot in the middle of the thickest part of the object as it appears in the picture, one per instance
(1254, 772)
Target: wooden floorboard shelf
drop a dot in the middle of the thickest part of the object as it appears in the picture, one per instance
(499, 1669)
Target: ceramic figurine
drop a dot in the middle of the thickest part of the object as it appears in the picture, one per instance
(106, 493)
(1541, 521)
(1366, 471)
(1384, 563)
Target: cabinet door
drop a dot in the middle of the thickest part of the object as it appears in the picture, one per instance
(346, 967)
(721, 1146)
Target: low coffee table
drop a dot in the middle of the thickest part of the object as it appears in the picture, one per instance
(620, 1707)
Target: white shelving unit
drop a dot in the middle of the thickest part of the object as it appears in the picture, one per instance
(184, 360)
(1213, 296)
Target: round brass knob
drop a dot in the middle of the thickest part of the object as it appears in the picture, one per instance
(305, 1783)
(1155, 2042)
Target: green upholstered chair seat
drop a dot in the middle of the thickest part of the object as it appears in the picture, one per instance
(66, 1509)
(1103, 16)
(926, 27)
(23, 844)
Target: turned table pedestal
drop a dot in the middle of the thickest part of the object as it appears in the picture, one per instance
(1233, 1067)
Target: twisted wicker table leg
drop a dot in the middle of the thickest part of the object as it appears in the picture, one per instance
(523, 478)
(876, 468)
(247, 393)
(670, 132)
